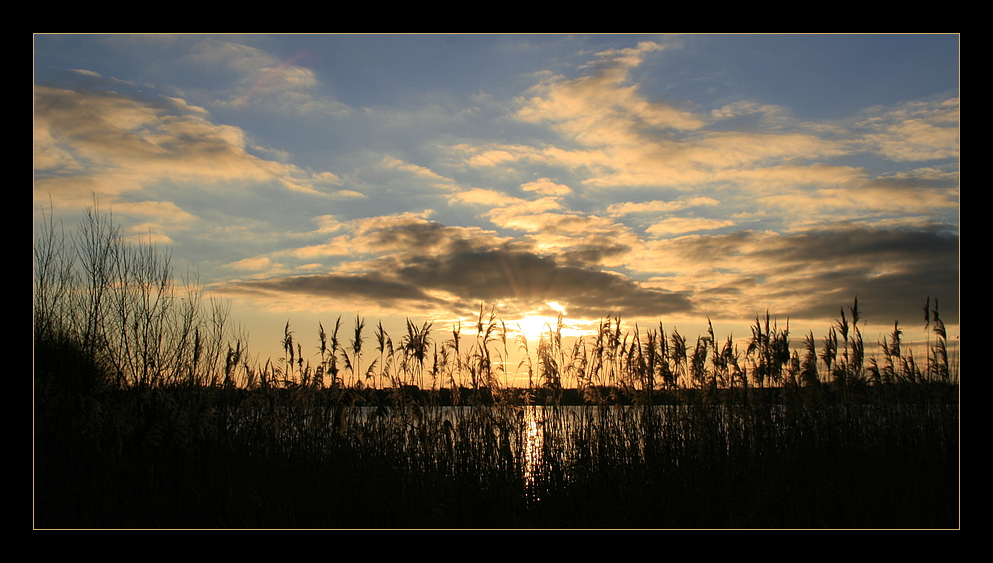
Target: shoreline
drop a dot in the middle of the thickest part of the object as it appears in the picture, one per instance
(910, 393)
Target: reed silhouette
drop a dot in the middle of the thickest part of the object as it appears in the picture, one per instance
(149, 414)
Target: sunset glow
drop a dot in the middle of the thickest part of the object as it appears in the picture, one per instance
(670, 179)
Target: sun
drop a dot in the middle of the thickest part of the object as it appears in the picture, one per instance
(534, 324)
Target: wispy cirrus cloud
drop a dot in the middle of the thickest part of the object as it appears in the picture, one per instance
(653, 207)
(264, 81)
(913, 131)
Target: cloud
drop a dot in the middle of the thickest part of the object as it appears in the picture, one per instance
(913, 131)
(680, 225)
(459, 281)
(328, 177)
(817, 194)
(85, 72)
(252, 264)
(530, 216)
(612, 136)
(409, 234)
(264, 81)
(339, 246)
(631, 208)
(528, 280)
(376, 174)
(618, 60)
(480, 196)
(406, 260)
(389, 237)
(745, 108)
(435, 179)
(576, 238)
(111, 144)
(598, 195)
(313, 292)
(600, 109)
(808, 275)
(545, 186)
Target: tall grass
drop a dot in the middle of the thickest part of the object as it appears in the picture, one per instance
(148, 413)
(108, 311)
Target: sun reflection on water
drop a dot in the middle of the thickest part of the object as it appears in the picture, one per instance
(533, 444)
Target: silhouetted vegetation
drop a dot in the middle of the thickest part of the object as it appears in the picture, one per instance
(148, 413)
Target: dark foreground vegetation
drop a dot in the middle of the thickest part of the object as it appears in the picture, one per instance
(149, 414)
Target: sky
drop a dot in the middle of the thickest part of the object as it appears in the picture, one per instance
(656, 178)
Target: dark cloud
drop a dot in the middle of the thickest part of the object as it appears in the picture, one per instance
(427, 237)
(476, 266)
(861, 245)
(933, 181)
(891, 271)
(885, 297)
(451, 271)
(532, 280)
(522, 279)
(341, 288)
(595, 252)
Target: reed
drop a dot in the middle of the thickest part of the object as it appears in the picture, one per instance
(108, 312)
(149, 412)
